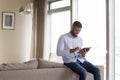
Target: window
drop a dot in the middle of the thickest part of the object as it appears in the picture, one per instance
(59, 12)
(60, 24)
(92, 14)
(96, 25)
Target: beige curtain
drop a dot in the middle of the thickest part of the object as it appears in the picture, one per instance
(39, 11)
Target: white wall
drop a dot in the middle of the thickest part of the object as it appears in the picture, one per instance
(15, 44)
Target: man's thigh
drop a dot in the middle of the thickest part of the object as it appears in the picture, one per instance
(76, 67)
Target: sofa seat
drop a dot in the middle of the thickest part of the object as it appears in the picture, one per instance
(39, 74)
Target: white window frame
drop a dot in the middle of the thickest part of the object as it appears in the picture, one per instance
(110, 73)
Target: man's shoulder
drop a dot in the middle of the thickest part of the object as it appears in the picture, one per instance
(80, 38)
(65, 34)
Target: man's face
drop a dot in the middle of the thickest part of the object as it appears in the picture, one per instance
(75, 31)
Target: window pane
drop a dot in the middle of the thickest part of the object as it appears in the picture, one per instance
(59, 4)
(92, 15)
(60, 24)
(117, 39)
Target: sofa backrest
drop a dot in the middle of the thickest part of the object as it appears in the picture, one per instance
(33, 64)
(48, 64)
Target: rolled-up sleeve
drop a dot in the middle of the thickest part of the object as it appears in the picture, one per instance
(61, 47)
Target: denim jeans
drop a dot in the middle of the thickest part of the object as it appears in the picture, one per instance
(82, 68)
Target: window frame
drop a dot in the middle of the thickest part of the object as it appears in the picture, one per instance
(110, 57)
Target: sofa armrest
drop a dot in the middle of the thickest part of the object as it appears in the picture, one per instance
(49, 64)
(101, 68)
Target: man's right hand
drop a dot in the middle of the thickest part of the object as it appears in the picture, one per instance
(75, 49)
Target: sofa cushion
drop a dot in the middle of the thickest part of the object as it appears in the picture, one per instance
(19, 66)
(48, 64)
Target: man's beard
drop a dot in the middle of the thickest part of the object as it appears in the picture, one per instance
(74, 35)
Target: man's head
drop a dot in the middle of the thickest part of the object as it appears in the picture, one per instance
(76, 28)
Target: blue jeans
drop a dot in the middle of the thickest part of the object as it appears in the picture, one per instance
(82, 68)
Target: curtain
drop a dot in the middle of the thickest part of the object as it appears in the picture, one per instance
(39, 12)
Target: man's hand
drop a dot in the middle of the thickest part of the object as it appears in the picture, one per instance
(83, 52)
(75, 49)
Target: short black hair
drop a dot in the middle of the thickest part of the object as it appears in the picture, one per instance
(77, 23)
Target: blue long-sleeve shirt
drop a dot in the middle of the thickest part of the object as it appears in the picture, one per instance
(67, 42)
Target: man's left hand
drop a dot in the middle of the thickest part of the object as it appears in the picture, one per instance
(83, 52)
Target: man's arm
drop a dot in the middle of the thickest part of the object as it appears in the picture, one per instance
(60, 48)
(75, 50)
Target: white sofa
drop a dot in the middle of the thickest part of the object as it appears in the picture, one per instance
(40, 70)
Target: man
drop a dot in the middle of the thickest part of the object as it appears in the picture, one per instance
(70, 48)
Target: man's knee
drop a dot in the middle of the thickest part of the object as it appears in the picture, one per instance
(82, 72)
(96, 71)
